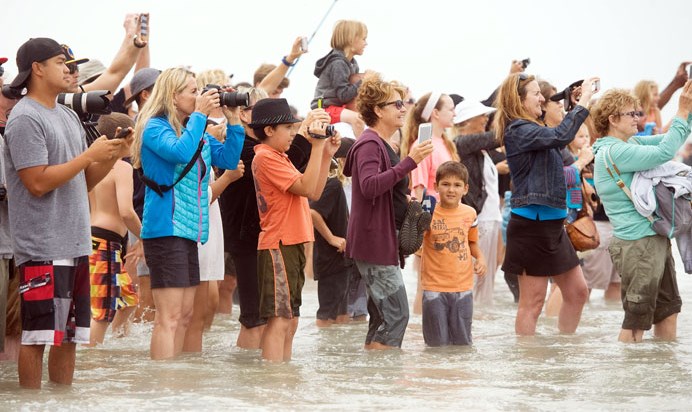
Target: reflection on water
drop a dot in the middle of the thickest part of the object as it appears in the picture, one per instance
(588, 370)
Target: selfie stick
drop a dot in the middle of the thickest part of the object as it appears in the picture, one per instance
(313, 35)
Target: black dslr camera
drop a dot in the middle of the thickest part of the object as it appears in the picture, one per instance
(11, 93)
(229, 99)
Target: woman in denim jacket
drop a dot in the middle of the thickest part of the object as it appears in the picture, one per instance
(537, 245)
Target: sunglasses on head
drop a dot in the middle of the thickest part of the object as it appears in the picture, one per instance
(70, 56)
(399, 104)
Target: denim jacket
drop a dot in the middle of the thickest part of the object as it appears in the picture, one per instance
(535, 162)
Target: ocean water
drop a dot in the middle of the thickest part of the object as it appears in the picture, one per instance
(588, 370)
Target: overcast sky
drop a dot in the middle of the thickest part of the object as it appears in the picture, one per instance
(452, 46)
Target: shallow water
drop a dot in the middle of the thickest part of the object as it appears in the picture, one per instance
(330, 370)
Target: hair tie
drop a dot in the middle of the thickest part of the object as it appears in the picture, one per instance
(430, 105)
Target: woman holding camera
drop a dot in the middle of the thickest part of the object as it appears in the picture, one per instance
(378, 206)
(649, 290)
(537, 244)
(179, 155)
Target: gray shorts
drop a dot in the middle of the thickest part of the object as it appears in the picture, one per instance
(447, 318)
(142, 268)
(598, 268)
(389, 309)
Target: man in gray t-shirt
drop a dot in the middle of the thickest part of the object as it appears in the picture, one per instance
(49, 170)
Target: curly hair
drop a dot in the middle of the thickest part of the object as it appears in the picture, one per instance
(611, 103)
(374, 92)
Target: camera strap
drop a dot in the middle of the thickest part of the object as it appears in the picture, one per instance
(161, 189)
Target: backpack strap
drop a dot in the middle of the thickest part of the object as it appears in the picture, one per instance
(618, 180)
(161, 189)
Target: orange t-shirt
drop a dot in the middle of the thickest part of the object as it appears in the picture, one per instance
(446, 262)
(284, 216)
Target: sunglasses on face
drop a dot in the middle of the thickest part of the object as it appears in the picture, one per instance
(633, 114)
(399, 104)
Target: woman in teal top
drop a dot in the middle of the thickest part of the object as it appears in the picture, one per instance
(649, 289)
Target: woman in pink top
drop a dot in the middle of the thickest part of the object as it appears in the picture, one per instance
(438, 110)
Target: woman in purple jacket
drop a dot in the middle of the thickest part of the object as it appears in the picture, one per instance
(378, 206)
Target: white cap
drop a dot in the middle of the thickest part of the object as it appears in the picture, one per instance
(469, 109)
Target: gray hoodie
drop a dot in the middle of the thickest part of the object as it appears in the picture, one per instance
(333, 71)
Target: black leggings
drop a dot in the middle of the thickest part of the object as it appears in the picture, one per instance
(248, 289)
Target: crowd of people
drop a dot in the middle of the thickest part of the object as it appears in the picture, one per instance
(182, 188)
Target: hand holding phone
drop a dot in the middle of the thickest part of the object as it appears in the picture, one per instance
(596, 86)
(123, 133)
(424, 132)
(144, 26)
(304, 44)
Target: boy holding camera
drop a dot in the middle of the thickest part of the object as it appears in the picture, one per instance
(282, 193)
(446, 264)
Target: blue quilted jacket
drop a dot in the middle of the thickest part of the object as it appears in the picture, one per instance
(184, 210)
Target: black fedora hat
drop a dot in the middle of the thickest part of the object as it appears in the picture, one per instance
(270, 112)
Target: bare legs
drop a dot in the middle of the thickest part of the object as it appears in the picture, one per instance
(173, 314)
(61, 360)
(532, 297)
(277, 339)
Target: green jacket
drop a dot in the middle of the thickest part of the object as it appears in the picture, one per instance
(637, 154)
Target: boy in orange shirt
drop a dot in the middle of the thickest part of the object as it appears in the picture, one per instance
(446, 265)
(282, 201)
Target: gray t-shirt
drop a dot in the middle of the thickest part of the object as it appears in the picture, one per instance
(55, 225)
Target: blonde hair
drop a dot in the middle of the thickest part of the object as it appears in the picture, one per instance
(168, 84)
(642, 91)
(611, 103)
(414, 119)
(346, 32)
(214, 76)
(509, 104)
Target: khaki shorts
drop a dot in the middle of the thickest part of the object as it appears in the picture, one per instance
(649, 288)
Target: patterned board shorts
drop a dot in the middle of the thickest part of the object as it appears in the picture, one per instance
(55, 301)
(281, 278)
(111, 286)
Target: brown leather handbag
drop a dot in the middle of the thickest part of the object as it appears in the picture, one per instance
(583, 232)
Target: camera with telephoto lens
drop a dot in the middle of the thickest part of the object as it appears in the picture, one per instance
(95, 102)
(229, 99)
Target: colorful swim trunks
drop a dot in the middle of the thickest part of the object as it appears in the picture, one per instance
(111, 286)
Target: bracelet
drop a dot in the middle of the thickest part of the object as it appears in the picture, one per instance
(284, 61)
(138, 45)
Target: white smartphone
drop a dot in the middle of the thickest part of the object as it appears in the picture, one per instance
(596, 86)
(424, 132)
(304, 44)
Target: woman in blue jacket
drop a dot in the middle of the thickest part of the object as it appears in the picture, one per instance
(537, 245)
(175, 220)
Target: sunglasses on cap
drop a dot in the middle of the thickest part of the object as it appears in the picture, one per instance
(69, 54)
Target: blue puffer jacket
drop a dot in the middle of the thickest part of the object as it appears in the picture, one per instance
(184, 210)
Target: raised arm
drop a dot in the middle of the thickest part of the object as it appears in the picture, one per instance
(272, 80)
(123, 60)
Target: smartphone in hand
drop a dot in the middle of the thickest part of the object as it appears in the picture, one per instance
(304, 44)
(424, 132)
(596, 86)
(123, 133)
(144, 26)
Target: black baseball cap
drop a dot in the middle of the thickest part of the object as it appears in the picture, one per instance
(33, 50)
